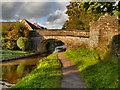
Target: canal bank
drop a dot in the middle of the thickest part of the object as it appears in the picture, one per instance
(15, 70)
(17, 67)
(4, 59)
(47, 74)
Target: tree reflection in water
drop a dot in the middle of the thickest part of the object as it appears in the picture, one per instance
(13, 71)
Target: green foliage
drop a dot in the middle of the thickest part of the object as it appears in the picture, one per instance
(46, 75)
(16, 52)
(8, 44)
(23, 43)
(12, 33)
(11, 45)
(80, 21)
(16, 31)
(20, 70)
(4, 71)
(97, 72)
(4, 43)
(116, 13)
(82, 13)
(4, 34)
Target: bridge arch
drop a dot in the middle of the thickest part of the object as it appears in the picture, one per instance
(48, 44)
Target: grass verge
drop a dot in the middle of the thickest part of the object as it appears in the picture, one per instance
(46, 75)
(96, 72)
(16, 52)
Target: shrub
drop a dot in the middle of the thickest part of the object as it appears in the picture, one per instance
(23, 43)
(13, 33)
(4, 43)
(16, 31)
(11, 45)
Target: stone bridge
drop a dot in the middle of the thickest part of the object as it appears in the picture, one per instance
(99, 35)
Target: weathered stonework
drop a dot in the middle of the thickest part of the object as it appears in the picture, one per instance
(70, 42)
(100, 35)
(102, 31)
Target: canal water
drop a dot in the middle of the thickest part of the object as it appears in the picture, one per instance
(13, 71)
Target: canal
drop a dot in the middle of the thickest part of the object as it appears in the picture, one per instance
(13, 71)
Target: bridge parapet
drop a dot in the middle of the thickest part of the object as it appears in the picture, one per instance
(60, 33)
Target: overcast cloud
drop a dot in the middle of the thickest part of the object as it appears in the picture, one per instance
(12, 10)
(56, 19)
(32, 11)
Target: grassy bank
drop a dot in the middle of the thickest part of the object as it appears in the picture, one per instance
(97, 72)
(46, 75)
(15, 52)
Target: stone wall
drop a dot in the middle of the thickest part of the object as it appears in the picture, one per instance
(73, 33)
(39, 43)
(102, 31)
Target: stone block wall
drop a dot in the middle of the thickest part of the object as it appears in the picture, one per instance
(73, 33)
(102, 31)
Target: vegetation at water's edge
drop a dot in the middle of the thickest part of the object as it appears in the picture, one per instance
(96, 71)
(46, 75)
(15, 52)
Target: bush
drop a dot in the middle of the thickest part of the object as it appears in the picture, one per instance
(13, 33)
(4, 43)
(16, 31)
(23, 43)
(11, 45)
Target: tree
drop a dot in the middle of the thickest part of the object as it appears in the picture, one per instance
(11, 45)
(81, 13)
(14, 32)
(23, 43)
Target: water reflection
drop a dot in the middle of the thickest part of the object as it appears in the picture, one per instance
(13, 71)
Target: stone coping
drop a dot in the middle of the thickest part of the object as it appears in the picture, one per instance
(19, 57)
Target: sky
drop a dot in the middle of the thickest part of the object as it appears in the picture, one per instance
(48, 14)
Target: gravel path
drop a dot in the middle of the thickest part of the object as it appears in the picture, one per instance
(71, 77)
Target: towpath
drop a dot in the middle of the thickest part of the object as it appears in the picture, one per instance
(71, 77)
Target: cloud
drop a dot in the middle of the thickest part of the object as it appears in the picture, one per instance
(13, 10)
(61, 5)
(49, 14)
(9, 10)
(56, 19)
